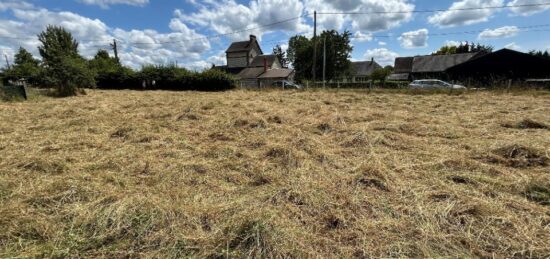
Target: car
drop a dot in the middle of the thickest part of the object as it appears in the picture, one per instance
(285, 84)
(433, 83)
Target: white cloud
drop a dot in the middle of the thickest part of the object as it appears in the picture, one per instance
(451, 43)
(382, 56)
(414, 39)
(529, 10)
(107, 3)
(362, 37)
(182, 43)
(381, 43)
(513, 46)
(502, 32)
(229, 16)
(458, 18)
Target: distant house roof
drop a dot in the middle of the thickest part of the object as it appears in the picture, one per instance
(439, 63)
(251, 73)
(241, 46)
(277, 73)
(258, 61)
(364, 68)
(403, 65)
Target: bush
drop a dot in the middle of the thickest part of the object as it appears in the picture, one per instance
(68, 75)
(167, 78)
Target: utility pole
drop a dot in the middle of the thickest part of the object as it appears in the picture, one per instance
(314, 46)
(324, 58)
(7, 62)
(115, 49)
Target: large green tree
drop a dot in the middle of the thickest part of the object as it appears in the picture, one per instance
(338, 51)
(65, 69)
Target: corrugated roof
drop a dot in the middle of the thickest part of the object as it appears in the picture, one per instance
(439, 63)
(364, 68)
(250, 73)
(403, 65)
(277, 73)
(398, 77)
(258, 61)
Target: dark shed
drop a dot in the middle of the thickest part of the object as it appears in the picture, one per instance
(501, 65)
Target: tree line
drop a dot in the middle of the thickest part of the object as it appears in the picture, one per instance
(64, 69)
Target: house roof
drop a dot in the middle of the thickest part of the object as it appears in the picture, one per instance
(258, 61)
(251, 73)
(403, 65)
(241, 46)
(277, 73)
(364, 68)
(505, 62)
(439, 63)
(398, 77)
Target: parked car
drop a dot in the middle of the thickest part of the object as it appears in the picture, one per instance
(285, 84)
(433, 83)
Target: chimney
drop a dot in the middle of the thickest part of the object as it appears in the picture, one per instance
(252, 37)
(372, 60)
(265, 65)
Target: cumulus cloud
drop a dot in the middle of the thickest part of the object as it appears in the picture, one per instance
(136, 47)
(414, 39)
(229, 16)
(382, 56)
(362, 37)
(513, 46)
(502, 32)
(452, 18)
(107, 3)
(529, 10)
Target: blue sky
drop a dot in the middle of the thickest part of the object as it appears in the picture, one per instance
(155, 31)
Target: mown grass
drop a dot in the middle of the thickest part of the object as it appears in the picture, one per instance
(275, 174)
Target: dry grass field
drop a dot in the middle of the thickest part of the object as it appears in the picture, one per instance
(276, 174)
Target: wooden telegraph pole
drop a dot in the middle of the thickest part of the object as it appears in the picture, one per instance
(314, 46)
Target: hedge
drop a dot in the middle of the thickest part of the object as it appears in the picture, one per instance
(166, 78)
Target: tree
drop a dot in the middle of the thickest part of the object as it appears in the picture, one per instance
(338, 50)
(24, 67)
(278, 51)
(65, 69)
(381, 74)
(463, 48)
(540, 53)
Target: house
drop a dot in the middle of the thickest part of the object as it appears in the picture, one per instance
(430, 66)
(362, 70)
(502, 65)
(252, 67)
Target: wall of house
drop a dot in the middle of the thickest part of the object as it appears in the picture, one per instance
(237, 59)
(248, 83)
(276, 64)
(253, 53)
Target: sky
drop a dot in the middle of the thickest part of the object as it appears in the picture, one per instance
(195, 33)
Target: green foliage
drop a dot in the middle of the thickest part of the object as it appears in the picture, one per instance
(464, 48)
(168, 77)
(68, 75)
(65, 69)
(25, 67)
(381, 74)
(278, 51)
(540, 53)
(338, 51)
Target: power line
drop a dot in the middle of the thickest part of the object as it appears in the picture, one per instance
(442, 10)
